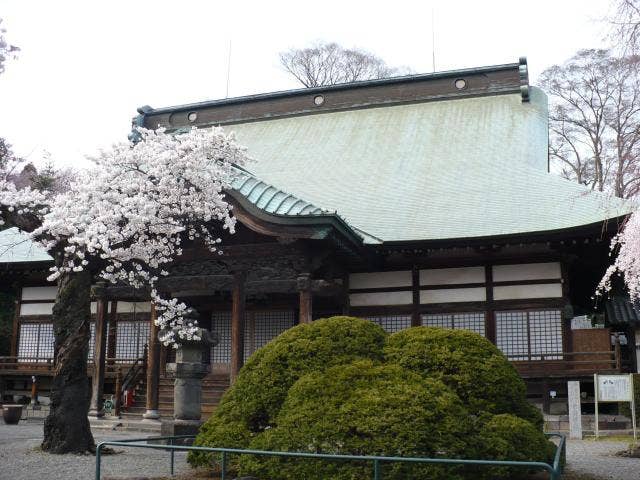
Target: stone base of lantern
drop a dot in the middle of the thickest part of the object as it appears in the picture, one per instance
(173, 428)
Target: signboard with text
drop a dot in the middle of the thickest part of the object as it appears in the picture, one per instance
(614, 388)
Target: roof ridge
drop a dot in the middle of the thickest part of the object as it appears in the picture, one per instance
(148, 110)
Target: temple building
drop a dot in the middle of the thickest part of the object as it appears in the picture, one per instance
(417, 200)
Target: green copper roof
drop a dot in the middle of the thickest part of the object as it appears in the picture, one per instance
(16, 246)
(271, 199)
(470, 167)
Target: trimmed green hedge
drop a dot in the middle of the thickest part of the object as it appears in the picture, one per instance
(507, 437)
(363, 409)
(251, 405)
(342, 385)
(471, 365)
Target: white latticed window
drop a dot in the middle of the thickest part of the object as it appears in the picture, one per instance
(528, 335)
(266, 326)
(131, 337)
(35, 342)
(92, 340)
(391, 323)
(473, 321)
(221, 325)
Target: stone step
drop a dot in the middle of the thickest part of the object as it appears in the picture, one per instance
(126, 424)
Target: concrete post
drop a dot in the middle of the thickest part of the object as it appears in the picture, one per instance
(575, 412)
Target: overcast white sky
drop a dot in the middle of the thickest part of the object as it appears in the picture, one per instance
(84, 67)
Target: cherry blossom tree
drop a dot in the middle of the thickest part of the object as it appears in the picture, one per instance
(7, 51)
(122, 221)
(625, 248)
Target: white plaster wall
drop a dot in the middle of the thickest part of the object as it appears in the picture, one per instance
(36, 309)
(545, 290)
(526, 271)
(380, 279)
(39, 293)
(129, 307)
(380, 298)
(448, 295)
(452, 276)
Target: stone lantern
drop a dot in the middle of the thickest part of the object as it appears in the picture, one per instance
(189, 370)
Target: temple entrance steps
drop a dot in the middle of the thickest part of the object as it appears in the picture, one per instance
(213, 387)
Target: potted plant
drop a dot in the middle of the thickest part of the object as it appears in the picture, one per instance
(11, 414)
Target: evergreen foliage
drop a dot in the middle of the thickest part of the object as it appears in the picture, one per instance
(508, 437)
(343, 386)
(363, 408)
(255, 399)
(468, 363)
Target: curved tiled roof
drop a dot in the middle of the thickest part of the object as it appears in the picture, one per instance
(270, 198)
(463, 168)
(16, 246)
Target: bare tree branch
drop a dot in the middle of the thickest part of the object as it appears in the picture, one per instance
(625, 26)
(595, 120)
(330, 64)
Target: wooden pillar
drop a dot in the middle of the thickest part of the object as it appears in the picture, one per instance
(34, 391)
(237, 325)
(112, 333)
(163, 360)
(118, 396)
(306, 298)
(416, 321)
(16, 325)
(346, 300)
(153, 369)
(490, 315)
(99, 353)
(618, 355)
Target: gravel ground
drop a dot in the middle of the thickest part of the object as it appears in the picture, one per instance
(588, 459)
(21, 459)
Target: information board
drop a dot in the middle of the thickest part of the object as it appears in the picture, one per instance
(614, 388)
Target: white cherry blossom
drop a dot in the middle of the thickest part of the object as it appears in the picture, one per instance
(128, 215)
(627, 261)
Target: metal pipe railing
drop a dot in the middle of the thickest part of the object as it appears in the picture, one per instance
(555, 470)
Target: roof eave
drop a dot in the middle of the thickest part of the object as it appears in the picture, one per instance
(608, 226)
(319, 221)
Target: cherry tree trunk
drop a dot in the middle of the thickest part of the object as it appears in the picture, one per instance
(66, 428)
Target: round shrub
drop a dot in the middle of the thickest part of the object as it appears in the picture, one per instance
(342, 385)
(468, 363)
(252, 403)
(507, 437)
(363, 409)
